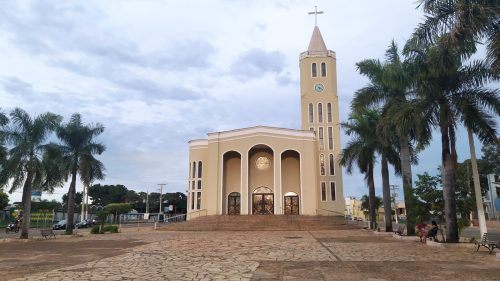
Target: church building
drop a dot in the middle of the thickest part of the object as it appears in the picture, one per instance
(265, 170)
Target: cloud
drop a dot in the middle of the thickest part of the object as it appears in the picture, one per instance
(255, 63)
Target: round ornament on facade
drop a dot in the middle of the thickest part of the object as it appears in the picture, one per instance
(262, 163)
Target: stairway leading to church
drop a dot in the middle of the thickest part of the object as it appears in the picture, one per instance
(260, 222)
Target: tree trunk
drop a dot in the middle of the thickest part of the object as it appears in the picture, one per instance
(407, 184)
(477, 187)
(386, 191)
(448, 180)
(26, 205)
(71, 202)
(371, 196)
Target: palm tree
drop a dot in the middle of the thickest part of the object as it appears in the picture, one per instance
(77, 155)
(453, 92)
(361, 150)
(3, 151)
(463, 23)
(25, 166)
(390, 89)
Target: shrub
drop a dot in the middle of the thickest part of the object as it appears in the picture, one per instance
(94, 229)
(111, 229)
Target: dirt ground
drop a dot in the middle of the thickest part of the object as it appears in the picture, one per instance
(18, 259)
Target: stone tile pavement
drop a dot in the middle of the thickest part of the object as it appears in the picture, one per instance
(280, 255)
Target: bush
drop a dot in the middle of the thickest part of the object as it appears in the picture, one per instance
(94, 229)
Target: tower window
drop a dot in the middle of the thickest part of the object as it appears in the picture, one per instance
(321, 139)
(322, 164)
(332, 165)
(199, 169)
(311, 113)
(332, 191)
(198, 201)
(194, 170)
(320, 112)
(192, 200)
(323, 191)
(330, 138)
(199, 184)
(192, 185)
(329, 111)
(313, 70)
(323, 69)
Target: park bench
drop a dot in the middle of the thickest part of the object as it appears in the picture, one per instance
(490, 241)
(47, 233)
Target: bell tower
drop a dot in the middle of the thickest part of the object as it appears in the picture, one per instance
(319, 111)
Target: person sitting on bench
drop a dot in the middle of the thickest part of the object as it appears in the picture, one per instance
(432, 233)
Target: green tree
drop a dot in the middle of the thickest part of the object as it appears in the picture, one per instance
(4, 200)
(361, 150)
(106, 194)
(3, 150)
(390, 90)
(491, 158)
(464, 24)
(428, 199)
(365, 202)
(118, 209)
(25, 167)
(451, 93)
(77, 152)
(46, 205)
(78, 198)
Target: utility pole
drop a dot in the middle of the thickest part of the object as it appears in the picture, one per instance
(161, 191)
(147, 202)
(477, 188)
(394, 187)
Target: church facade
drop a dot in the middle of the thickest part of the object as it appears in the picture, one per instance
(276, 171)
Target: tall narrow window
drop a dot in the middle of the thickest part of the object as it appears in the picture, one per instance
(199, 184)
(323, 69)
(192, 185)
(199, 169)
(313, 70)
(320, 112)
(321, 139)
(322, 164)
(194, 170)
(192, 200)
(323, 191)
(329, 112)
(330, 138)
(311, 113)
(332, 165)
(198, 201)
(189, 164)
(332, 191)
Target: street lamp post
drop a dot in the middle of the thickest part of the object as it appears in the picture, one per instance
(161, 192)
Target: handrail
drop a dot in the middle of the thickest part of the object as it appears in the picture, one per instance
(177, 218)
(190, 215)
(331, 211)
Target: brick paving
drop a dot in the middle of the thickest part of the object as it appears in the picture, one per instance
(277, 255)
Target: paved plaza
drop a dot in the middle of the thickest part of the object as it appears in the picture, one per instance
(146, 254)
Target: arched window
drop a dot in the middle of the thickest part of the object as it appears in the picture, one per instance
(313, 70)
(311, 113)
(330, 138)
(329, 111)
(321, 139)
(320, 112)
(194, 170)
(323, 69)
(322, 164)
(199, 169)
(332, 165)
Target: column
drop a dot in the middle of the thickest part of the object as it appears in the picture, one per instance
(244, 183)
(277, 185)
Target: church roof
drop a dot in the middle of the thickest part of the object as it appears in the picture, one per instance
(317, 44)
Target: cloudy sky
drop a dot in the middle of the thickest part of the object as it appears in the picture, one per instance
(159, 73)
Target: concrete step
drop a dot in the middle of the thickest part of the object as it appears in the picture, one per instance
(260, 222)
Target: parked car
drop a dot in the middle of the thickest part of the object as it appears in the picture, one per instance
(85, 224)
(59, 225)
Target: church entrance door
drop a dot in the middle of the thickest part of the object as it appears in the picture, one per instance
(263, 204)
(233, 203)
(291, 205)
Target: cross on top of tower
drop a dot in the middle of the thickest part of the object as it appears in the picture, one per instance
(315, 13)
